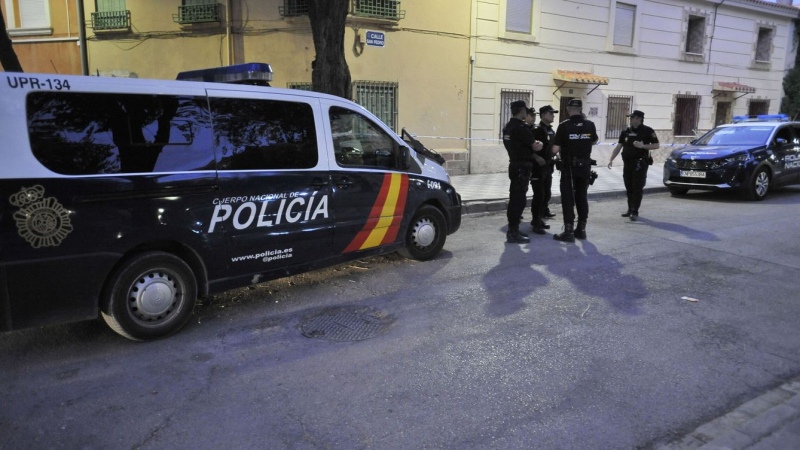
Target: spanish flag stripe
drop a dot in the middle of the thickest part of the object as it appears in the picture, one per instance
(383, 221)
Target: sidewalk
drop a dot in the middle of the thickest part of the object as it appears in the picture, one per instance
(489, 192)
(770, 421)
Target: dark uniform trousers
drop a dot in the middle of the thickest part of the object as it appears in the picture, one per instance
(539, 176)
(574, 189)
(634, 174)
(547, 182)
(519, 173)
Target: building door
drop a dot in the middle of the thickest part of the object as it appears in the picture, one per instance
(723, 113)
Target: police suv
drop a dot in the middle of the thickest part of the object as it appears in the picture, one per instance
(752, 155)
(134, 197)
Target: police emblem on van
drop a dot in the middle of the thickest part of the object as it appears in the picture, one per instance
(43, 222)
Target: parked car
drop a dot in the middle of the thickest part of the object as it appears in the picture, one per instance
(752, 155)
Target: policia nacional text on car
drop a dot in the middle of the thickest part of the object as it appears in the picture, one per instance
(574, 139)
(520, 144)
(636, 143)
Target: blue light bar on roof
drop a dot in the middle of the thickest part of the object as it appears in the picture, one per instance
(248, 73)
(762, 118)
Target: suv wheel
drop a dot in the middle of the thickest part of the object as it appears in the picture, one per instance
(759, 184)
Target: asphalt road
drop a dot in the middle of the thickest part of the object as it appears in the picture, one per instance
(548, 345)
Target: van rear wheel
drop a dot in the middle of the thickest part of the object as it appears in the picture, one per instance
(150, 296)
(425, 235)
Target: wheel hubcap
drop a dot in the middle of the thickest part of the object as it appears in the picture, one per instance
(424, 233)
(153, 296)
(762, 184)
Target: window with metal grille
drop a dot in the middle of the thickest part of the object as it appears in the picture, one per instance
(111, 15)
(518, 16)
(687, 114)
(383, 9)
(619, 106)
(197, 11)
(757, 107)
(380, 98)
(293, 8)
(507, 97)
(299, 85)
(695, 35)
(624, 22)
(764, 45)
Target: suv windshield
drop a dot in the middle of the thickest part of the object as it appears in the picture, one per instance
(749, 135)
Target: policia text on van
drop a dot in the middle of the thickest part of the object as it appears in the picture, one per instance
(134, 197)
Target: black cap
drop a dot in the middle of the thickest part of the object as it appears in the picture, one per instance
(547, 109)
(575, 103)
(531, 112)
(518, 104)
(636, 113)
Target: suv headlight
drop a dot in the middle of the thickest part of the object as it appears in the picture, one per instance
(731, 160)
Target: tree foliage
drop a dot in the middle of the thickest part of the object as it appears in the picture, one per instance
(330, 73)
(790, 104)
(8, 58)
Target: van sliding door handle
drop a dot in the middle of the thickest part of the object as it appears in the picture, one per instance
(318, 183)
(344, 182)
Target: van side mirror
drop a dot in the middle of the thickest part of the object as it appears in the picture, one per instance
(781, 141)
(403, 155)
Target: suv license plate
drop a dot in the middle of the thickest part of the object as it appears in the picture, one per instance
(693, 173)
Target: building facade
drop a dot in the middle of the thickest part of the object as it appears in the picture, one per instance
(408, 66)
(45, 34)
(688, 64)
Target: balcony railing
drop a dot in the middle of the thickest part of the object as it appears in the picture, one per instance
(293, 8)
(111, 20)
(197, 13)
(382, 9)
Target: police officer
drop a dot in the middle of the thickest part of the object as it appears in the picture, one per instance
(520, 145)
(537, 179)
(573, 140)
(636, 143)
(545, 133)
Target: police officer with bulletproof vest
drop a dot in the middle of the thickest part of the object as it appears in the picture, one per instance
(544, 132)
(520, 144)
(537, 178)
(573, 140)
(636, 143)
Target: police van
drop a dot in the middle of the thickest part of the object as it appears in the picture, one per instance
(134, 197)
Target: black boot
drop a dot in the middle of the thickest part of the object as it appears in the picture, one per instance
(580, 230)
(567, 235)
(538, 226)
(514, 236)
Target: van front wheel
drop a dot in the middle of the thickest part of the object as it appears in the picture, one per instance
(150, 296)
(425, 235)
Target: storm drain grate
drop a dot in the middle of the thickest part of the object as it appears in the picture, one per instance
(343, 324)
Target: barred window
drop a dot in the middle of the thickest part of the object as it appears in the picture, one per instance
(380, 98)
(507, 97)
(764, 45)
(111, 15)
(695, 35)
(687, 114)
(619, 106)
(197, 11)
(383, 9)
(293, 8)
(757, 107)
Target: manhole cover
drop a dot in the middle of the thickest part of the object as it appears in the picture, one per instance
(345, 324)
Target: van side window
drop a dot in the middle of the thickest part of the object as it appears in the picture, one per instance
(263, 134)
(357, 141)
(97, 133)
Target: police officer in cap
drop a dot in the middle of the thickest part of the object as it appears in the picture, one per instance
(520, 144)
(573, 140)
(544, 132)
(636, 143)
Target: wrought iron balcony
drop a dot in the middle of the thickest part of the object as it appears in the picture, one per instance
(382, 9)
(111, 20)
(197, 13)
(293, 8)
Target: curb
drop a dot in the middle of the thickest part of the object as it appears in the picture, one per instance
(473, 207)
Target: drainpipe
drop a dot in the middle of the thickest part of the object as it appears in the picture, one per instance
(82, 38)
(228, 31)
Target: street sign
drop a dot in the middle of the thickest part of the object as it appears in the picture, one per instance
(376, 38)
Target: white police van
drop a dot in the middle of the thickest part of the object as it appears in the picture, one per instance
(134, 197)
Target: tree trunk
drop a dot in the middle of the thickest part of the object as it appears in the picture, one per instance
(8, 58)
(330, 73)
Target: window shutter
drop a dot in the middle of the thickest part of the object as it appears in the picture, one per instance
(623, 24)
(518, 15)
(34, 14)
